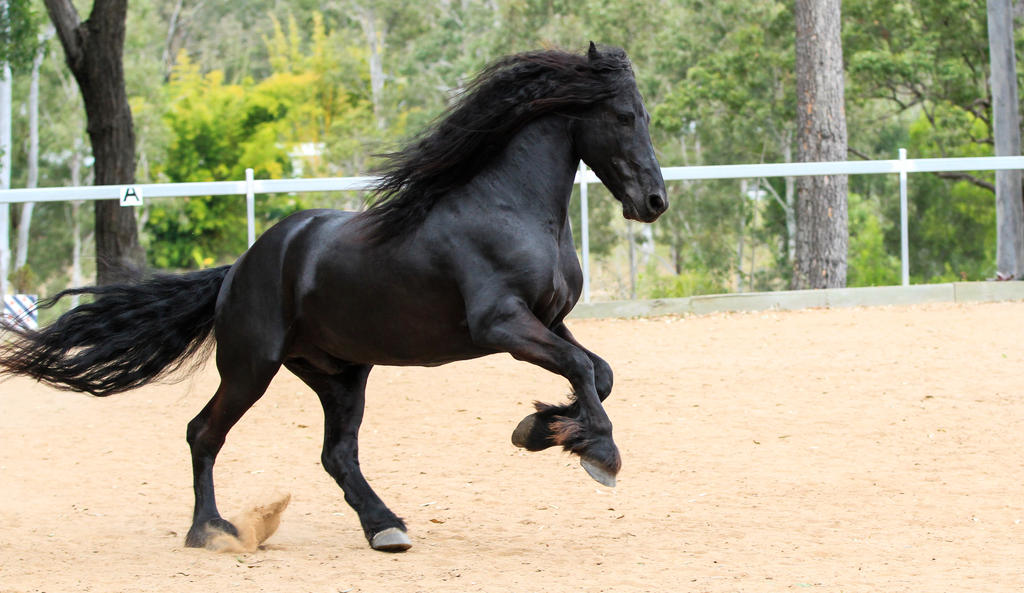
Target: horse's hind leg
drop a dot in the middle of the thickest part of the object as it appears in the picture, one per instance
(242, 383)
(342, 395)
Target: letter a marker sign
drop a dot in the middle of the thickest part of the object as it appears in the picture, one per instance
(131, 195)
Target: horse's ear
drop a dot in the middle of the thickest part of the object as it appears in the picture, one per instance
(592, 53)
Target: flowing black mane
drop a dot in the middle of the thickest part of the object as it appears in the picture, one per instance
(508, 94)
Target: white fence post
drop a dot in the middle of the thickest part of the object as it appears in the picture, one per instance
(5, 246)
(585, 232)
(904, 233)
(5, 173)
(250, 205)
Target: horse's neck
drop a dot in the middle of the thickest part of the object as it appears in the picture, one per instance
(535, 173)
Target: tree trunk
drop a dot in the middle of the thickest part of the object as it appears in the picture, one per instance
(821, 234)
(375, 32)
(171, 41)
(93, 50)
(25, 221)
(1006, 128)
(5, 174)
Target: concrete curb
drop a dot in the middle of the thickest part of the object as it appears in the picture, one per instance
(871, 296)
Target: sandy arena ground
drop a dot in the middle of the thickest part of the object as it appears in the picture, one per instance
(855, 450)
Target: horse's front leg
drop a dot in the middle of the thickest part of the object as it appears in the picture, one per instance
(535, 433)
(585, 428)
(603, 378)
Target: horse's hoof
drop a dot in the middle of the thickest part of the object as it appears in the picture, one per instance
(521, 435)
(601, 475)
(200, 533)
(196, 538)
(392, 539)
(531, 434)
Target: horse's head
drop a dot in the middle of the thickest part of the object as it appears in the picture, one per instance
(613, 139)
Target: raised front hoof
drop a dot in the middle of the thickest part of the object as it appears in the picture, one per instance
(392, 539)
(601, 474)
(532, 434)
(200, 534)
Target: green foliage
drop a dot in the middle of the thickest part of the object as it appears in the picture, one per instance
(710, 243)
(917, 51)
(602, 210)
(50, 222)
(739, 96)
(653, 285)
(19, 25)
(870, 263)
(730, 102)
(219, 129)
(23, 280)
(952, 230)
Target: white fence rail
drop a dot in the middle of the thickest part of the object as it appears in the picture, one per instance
(250, 187)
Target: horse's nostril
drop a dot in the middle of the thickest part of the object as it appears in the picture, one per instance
(656, 203)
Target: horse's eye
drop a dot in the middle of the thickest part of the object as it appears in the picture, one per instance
(625, 119)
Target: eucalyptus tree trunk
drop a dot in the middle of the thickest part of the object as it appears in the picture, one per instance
(1006, 128)
(25, 221)
(821, 235)
(93, 50)
(375, 33)
(5, 174)
(172, 40)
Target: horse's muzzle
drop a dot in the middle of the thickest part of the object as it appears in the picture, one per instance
(647, 210)
(657, 204)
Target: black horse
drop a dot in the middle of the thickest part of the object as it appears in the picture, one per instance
(466, 252)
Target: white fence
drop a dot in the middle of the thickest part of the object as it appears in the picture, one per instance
(901, 166)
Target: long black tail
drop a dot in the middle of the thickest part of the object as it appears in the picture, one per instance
(128, 336)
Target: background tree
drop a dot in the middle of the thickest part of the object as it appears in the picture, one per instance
(17, 46)
(1006, 124)
(25, 217)
(283, 122)
(731, 105)
(822, 236)
(93, 50)
(918, 71)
